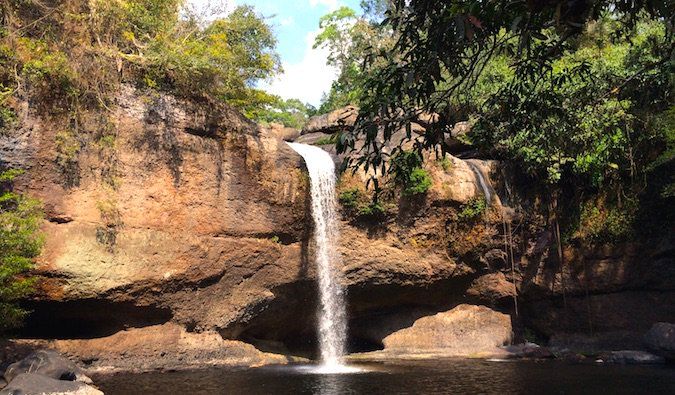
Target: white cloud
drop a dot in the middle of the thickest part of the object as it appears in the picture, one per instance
(331, 4)
(306, 80)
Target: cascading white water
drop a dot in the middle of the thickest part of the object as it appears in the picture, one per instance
(332, 312)
(481, 180)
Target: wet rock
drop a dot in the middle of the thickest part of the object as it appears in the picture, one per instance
(47, 363)
(37, 384)
(454, 181)
(631, 357)
(593, 344)
(319, 138)
(528, 351)
(618, 319)
(661, 339)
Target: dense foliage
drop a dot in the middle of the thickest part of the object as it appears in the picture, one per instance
(20, 242)
(76, 52)
(444, 48)
(349, 38)
(578, 96)
(292, 112)
(575, 94)
(588, 117)
(408, 173)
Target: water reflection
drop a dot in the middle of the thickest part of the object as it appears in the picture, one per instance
(330, 384)
(428, 377)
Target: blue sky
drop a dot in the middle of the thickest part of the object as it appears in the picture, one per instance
(295, 23)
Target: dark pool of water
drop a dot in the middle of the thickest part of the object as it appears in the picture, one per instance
(428, 377)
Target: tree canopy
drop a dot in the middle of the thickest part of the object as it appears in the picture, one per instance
(349, 37)
(77, 51)
(557, 86)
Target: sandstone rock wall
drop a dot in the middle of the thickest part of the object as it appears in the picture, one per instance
(186, 214)
(189, 214)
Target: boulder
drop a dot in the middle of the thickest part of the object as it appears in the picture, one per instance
(37, 384)
(454, 181)
(661, 339)
(631, 357)
(167, 346)
(492, 287)
(281, 132)
(47, 363)
(466, 330)
(335, 121)
(456, 139)
(427, 119)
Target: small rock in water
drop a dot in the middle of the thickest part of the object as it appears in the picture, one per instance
(661, 339)
(34, 384)
(529, 351)
(631, 357)
(47, 363)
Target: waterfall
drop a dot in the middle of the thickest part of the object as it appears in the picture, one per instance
(481, 180)
(332, 313)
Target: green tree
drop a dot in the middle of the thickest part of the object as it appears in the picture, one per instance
(292, 112)
(571, 92)
(78, 51)
(20, 242)
(443, 50)
(349, 38)
(585, 118)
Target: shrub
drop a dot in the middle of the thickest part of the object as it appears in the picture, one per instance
(20, 242)
(409, 174)
(350, 198)
(607, 224)
(7, 115)
(445, 163)
(473, 209)
(79, 50)
(326, 140)
(419, 182)
(373, 209)
(356, 203)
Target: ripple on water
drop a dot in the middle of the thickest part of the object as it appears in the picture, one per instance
(330, 369)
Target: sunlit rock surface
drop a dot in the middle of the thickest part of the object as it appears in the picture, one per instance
(195, 217)
(465, 331)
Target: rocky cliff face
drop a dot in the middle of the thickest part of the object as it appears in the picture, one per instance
(187, 214)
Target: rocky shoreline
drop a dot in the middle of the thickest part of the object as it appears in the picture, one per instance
(476, 332)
